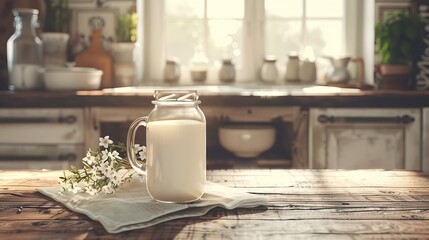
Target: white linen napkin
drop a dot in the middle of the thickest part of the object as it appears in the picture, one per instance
(131, 207)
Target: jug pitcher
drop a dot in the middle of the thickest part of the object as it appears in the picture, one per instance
(175, 167)
(338, 71)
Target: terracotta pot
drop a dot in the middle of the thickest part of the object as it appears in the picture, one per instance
(394, 82)
(395, 77)
(387, 69)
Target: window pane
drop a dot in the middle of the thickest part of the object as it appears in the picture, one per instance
(283, 8)
(225, 8)
(325, 8)
(225, 40)
(282, 37)
(181, 37)
(184, 8)
(326, 37)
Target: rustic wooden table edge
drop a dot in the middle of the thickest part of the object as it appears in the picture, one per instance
(302, 204)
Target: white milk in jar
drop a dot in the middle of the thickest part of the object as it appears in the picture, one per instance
(176, 160)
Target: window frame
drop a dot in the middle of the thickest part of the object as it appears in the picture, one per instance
(253, 45)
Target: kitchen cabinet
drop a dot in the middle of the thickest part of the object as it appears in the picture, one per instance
(363, 138)
(290, 148)
(38, 138)
(290, 125)
(57, 137)
(113, 122)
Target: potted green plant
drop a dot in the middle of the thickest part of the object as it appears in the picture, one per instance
(127, 27)
(55, 34)
(398, 39)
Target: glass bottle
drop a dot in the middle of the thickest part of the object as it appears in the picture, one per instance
(25, 51)
(175, 167)
(269, 71)
(227, 71)
(307, 68)
(199, 65)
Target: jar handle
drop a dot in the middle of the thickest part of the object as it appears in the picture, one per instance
(139, 167)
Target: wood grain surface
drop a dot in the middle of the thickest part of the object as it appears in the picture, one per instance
(303, 204)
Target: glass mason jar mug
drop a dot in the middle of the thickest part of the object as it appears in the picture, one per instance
(175, 167)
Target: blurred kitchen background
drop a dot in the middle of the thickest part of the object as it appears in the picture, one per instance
(211, 32)
(247, 58)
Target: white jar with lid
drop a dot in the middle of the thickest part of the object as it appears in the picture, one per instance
(269, 71)
(227, 71)
(308, 71)
(172, 70)
(292, 67)
(307, 68)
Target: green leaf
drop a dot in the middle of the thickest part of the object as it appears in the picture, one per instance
(386, 57)
(399, 37)
(385, 47)
(411, 33)
(405, 50)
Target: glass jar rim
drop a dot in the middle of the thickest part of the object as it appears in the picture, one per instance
(176, 97)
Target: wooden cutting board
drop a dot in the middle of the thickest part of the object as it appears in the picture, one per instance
(96, 57)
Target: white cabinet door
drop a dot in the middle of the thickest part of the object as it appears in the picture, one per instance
(41, 126)
(38, 138)
(365, 138)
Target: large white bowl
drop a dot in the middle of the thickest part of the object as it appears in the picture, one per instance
(73, 78)
(247, 140)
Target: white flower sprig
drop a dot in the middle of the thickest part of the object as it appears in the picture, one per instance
(101, 169)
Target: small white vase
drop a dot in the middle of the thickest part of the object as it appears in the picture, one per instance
(124, 66)
(171, 71)
(307, 71)
(292, 68)
(227, 71)
(269, 71)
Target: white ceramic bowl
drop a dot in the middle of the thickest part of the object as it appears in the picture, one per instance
(247, 140)
(73, 78)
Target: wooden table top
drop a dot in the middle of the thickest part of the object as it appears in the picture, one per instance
(304, 204)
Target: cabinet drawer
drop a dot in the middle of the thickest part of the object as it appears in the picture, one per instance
(365, 138)
(41, 126)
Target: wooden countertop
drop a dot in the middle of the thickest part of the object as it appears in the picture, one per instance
(307, 204)
(271, 97)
